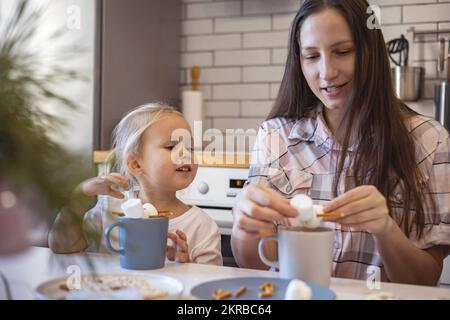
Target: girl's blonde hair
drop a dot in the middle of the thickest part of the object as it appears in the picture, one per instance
(128, 132)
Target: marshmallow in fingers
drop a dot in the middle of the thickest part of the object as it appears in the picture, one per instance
(307, 211)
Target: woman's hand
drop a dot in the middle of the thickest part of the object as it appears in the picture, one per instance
(179, 250)
(102, 185)
(256, 210)
(364, 208)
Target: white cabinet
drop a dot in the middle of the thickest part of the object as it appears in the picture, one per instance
(137, 59)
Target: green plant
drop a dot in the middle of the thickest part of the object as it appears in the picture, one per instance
(38, 170)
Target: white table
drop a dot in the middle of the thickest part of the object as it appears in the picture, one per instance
(26, 270)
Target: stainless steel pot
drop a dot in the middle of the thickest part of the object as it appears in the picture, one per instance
(442, 100)
(408, 82)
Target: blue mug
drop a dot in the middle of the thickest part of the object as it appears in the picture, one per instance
(142, 242)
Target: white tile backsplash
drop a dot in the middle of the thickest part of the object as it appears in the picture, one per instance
(237, 123)
(256, 108)
(430, 68)
(219, 75)
(213, 42)
(391, 15)
(201, 59)
(243, 24)
(279, 55)
(222, 108)
(283, 22)
(426, 13)
(242, 57)
(241, 92)
(195, 27)
(213, 9)
(241, 46)
(263, 74)
(270, 6)
(266, 39)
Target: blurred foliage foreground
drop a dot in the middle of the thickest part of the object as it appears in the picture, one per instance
(37, 175)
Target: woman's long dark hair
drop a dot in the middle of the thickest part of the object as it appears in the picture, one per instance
(385, 156)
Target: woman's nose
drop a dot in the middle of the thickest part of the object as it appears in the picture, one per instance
(328, 70)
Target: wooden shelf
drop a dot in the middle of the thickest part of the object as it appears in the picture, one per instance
(221, 160)
(424, 32)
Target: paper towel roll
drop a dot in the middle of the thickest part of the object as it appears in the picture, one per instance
(192, 107)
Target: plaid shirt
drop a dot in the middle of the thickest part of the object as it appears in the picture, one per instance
(298, 156)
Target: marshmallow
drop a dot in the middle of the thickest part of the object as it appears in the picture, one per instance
(304, 206)
(298, 290)
(132, 208)
(307, 211)
(314, 222)
(150, 210)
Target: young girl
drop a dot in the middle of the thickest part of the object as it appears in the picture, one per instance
(338, 133)
(146, 157)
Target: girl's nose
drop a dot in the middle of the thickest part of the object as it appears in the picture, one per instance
(328, 70)
(184, 154)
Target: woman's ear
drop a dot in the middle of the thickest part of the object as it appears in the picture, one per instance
(133, 165)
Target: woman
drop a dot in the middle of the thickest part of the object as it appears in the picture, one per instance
(338, 133)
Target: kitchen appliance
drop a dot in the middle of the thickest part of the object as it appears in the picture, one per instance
(192, 100)
(442, 90)
(215, 189)
(407, 81)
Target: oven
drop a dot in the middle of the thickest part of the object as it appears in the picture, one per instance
(214, 190)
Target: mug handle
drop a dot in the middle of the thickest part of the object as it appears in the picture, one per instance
(275, 264)
(107, 240)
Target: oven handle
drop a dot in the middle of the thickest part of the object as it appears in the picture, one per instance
(214, 207)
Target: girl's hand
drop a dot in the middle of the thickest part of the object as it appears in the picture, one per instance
(256, 210)
(179, 250)
(102, 185)
(364, 208)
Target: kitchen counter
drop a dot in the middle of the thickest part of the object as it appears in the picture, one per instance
(25, 271)
(223, 160)
(425, 107)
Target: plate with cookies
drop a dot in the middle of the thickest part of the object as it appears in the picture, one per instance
(261, 288)
(111, 286)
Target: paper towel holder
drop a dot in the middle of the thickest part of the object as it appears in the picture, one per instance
(195, 75)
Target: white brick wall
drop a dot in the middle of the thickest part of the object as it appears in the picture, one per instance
(242, 57)
(241, 47)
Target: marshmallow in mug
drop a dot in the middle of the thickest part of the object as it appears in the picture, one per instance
(307, 211)
(132, 208)
(150, 210)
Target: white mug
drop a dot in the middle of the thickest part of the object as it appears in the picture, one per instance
(304, 254)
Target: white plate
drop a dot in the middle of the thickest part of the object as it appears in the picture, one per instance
(54, 289)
